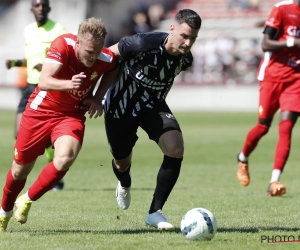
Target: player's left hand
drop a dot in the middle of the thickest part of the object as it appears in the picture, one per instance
(94, 107)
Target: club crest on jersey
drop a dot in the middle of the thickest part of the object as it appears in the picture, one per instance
(94, 75)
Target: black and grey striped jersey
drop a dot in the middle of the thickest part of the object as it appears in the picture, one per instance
(146, 76)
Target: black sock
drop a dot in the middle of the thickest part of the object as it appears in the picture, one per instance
(166, 179)
(123, 177)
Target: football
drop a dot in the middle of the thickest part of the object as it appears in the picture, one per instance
(198, 224)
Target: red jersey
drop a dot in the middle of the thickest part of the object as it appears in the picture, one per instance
(281, 65)
(62, 51)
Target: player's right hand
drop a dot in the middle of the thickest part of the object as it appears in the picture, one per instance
(77, 80)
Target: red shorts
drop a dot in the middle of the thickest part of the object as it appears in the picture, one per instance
(278, 95)
(37, 127)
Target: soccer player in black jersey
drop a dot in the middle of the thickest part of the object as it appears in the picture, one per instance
(149, 64)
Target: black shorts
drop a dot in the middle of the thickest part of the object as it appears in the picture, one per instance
(25, 96)
(122, 133)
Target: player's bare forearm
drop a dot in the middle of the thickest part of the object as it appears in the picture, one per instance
(48, 82)
(269, 44)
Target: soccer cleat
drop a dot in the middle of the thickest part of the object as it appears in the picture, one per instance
(23, 206)
(159, 221)
(3, 223)
(123, 196)
(276, 189)
(59, 185)
(242, 172)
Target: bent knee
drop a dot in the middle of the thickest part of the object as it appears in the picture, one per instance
(122, 166)
(63, 163)
(176, 152)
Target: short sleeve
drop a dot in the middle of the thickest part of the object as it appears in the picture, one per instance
(129, 47)
(274, 19)
(58, 50)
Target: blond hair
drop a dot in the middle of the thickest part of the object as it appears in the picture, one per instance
(92, 28)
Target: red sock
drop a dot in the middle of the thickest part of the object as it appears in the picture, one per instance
(284, 144)
(253, 138)
(11, 191)
(45, 181)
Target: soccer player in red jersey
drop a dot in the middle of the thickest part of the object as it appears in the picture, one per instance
(279, 76)
(56, 109)
(38, 36)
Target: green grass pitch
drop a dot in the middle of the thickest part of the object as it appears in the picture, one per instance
(85, 214)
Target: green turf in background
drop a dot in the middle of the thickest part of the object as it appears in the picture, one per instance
(85, 214)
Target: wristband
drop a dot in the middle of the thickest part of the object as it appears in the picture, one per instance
(18, 63)
(290, 42)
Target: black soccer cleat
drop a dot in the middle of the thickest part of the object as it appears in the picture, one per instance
(59, 186)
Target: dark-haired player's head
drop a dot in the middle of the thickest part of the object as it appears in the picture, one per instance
(90, 40)
(40, 9)
(183, 32)
(190, 17)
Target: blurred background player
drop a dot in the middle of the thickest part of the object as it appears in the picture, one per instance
(279, 89)
(38, 37)
(150, 63)
(56, 109)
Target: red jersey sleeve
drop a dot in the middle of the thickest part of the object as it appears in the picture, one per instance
(274, 20)
(109, 57)
(58, 50)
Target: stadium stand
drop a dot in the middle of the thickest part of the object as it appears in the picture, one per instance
(228, 49)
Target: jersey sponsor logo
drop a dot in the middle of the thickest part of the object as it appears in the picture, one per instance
(293, 31)
(79, 94)
(149, 83)
(292, 15)
(55, 55)
(93, 75)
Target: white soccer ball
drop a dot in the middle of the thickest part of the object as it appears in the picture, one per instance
(199, 224)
